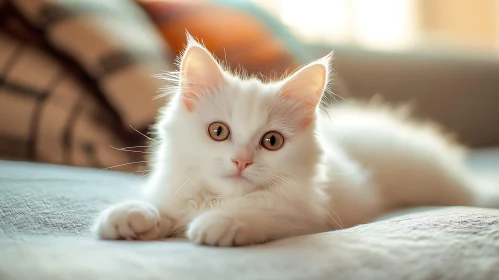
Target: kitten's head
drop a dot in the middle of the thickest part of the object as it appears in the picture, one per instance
(241, 134)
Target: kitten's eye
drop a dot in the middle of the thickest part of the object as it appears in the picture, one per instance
(218, 131)
(272, 141)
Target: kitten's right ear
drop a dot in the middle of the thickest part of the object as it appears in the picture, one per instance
(199, 73)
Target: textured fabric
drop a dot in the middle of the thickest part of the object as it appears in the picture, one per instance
(455, 243)
(47, 115)
(75, 78)
(115, 45)
(43, 199)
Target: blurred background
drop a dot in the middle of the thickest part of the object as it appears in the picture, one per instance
(394, 25)
(77, 83)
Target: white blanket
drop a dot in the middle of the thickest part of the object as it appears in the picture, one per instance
(453, 243)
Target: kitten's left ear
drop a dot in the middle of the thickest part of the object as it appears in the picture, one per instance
(308, 84)
(199, 72)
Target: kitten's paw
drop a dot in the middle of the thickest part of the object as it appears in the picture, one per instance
(131, 220)
(218, 228)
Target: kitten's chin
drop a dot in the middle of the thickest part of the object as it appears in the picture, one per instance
(232, 185)
(238, 177)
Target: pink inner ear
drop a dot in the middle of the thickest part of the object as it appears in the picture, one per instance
(188, 97)
(306, 122)
(199, 71)
(306, 87)
(307, 107)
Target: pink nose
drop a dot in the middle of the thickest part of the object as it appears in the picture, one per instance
(242, 164)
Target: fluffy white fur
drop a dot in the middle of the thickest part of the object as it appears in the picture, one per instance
(337, 168)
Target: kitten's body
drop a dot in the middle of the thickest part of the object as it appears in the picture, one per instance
(394, 162)
(336, 169)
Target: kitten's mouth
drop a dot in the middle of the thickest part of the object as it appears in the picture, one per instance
(238, 176)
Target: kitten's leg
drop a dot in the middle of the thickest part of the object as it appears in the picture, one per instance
(134, 219)
(137, 219)
(235, 225)
(237, 228)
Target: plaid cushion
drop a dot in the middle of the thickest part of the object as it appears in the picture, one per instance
(75, 79)
(115, 45)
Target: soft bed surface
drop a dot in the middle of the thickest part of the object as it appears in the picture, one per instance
(46, 211)
(454, 243)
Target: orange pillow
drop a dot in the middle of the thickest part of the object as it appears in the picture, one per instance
(231, 34)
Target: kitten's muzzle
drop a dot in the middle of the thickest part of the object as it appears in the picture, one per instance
(241, 164)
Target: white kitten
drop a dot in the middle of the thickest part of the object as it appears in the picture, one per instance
(240, 161)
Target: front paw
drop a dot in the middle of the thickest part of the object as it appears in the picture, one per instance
(218, 228)
(131, 220)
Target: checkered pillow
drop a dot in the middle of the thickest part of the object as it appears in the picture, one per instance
(75, 78)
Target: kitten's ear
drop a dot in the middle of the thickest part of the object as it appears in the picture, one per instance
(199, 72)
(308, 84)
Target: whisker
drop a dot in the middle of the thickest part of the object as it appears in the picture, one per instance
(328, 172)
(332, 220)
(143, 173)
(140, 152)
(289, 174)
(191, 182)
(127, 150)
(133, 147)
(190, 179)
(266, 186)
(337, 216)
(283, 192)
(286, 181)
(142, 133)
(291, 187)
(134, 162)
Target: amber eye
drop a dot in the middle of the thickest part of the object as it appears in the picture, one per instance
(272, 141)
(219, 131)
